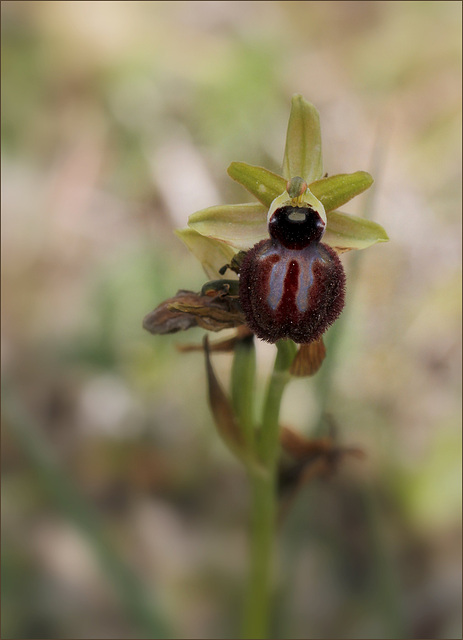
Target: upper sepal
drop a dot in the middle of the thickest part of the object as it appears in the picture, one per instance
(303, 150)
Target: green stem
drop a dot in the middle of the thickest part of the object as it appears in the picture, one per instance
(268, 445)
(263, 514)
(263, 501)
(243, 388)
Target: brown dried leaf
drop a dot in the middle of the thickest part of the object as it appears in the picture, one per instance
(220, 346)
(309, 359)
(299, 447)
(309, 458)
(164, 319)
(224, 418)
(188, 309)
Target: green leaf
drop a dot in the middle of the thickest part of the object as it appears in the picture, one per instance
(303, 151)
(238, 225)
(212, 253)
(336, 190)
(345, 232)
(262, 183)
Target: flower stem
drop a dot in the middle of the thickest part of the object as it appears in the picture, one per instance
(263, 501)
(268, 445)
(263, 512)
(243, 388)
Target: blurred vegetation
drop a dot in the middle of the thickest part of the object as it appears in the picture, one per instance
(123, 515)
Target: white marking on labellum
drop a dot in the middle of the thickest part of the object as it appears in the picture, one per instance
(303, 288)
(276, 283)
(297, 216)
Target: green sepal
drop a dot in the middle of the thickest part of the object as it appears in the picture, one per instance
(345, 232)
(238, 225)
(212, 253)
(303, 150)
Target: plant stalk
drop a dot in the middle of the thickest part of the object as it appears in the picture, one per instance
(243, 388)
(263, 483)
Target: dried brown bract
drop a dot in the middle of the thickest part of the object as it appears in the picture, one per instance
(213, 310)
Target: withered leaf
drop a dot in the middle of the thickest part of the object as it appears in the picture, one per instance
(188, 309)
(164, 320)
(299, 447)
(309, 359)
(221, 408)
(311, 457)
(307, 459)
(220, 346)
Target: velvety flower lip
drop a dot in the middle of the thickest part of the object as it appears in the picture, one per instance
(223, 230)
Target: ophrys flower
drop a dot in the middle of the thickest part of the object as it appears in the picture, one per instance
(292, 281)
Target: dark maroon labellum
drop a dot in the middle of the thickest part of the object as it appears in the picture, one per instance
(292, 285)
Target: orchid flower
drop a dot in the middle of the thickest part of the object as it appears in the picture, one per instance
(284, 248)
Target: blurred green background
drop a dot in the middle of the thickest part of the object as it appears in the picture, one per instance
(123, 514)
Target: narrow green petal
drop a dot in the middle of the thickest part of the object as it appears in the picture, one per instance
(212, 253)
(238, 225)
(345, 232)
(336, 190)
(303, 151)
(262, 183)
